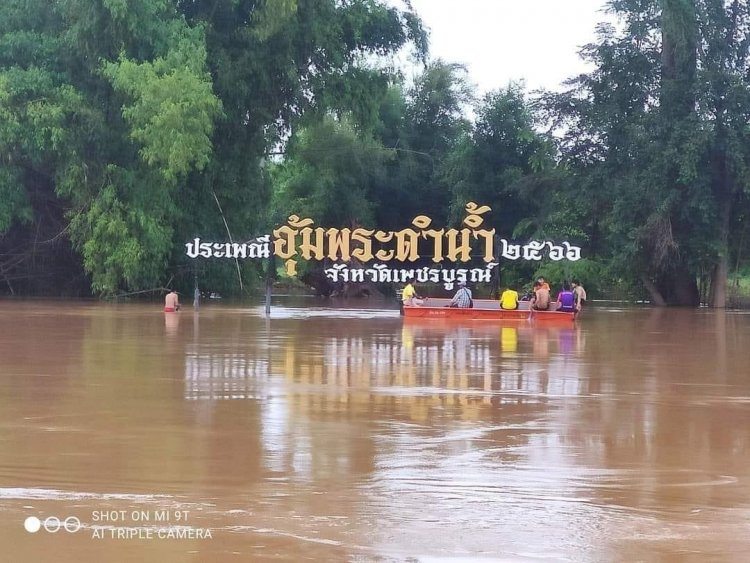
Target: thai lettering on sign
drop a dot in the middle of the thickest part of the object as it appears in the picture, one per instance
(300, 239)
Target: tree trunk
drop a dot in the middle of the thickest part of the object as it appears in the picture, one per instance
(679, 286)
(656, 296)
(720, 273)
(718, 296)
(684, 289)
(676, 286)
(679, 60)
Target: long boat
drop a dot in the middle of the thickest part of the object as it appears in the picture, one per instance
(487, 310)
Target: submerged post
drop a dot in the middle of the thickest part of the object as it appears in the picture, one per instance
(269, 284)
(196, 294)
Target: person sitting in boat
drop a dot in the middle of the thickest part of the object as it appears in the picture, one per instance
(409, 296)
(543, 283)
(509, 299)
(463, 298)
(540, 300)
(171, 302)
(566, 299)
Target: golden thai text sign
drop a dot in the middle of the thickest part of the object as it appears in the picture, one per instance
(362, 254)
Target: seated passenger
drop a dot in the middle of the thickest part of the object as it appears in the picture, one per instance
(566, 299)
(409, 296)
(509, 299)
(540, 300)
(463, 298)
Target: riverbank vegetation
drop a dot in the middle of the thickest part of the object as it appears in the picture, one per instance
(128, 128)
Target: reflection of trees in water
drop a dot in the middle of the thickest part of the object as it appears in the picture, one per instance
(224, 375)
(309, 382)
(435, 360)
(428, 367)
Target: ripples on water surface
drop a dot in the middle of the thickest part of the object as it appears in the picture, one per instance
(350, 434)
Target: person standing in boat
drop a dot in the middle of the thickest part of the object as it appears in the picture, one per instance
(566, 299)
(409, 296)
(540, 300)
(171, 302)
(580, 295)
(509, 299)
(463, 297)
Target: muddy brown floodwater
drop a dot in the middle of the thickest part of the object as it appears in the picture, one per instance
(343, 434)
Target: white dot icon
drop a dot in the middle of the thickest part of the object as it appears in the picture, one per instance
(32, 524)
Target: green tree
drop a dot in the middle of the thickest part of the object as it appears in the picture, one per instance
(127, 127)
(421, 124)
(723, 94)
(653, 141)
(436, 122)
(505, 163)
(329, 174)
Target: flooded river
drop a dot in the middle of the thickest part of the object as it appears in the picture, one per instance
(325, 434)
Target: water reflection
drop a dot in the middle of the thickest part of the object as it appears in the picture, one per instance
(225, 375)
(426, 358)
(330, 437)
(171, 323)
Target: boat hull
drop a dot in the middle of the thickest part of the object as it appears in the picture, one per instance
(485, 310)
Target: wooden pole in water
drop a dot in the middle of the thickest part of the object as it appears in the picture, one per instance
(269, 283)
(268, 299)
(196, 294)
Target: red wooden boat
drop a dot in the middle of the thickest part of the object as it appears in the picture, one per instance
(487, 310)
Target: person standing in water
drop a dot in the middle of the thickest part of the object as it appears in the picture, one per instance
(580, 295)
(171, 302)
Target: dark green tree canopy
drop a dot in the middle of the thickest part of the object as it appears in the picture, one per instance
(129, 127)
(125, 124)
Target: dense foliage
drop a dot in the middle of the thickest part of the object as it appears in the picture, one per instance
(656, 144)
(130, 127)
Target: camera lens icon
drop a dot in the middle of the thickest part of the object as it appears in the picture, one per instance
(32, 524)
(52, 524)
